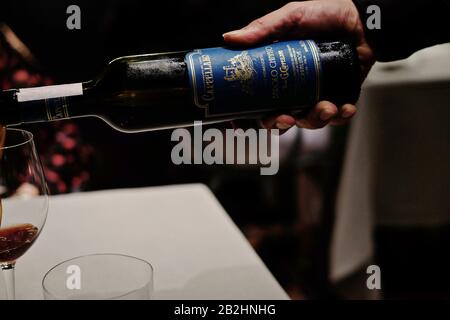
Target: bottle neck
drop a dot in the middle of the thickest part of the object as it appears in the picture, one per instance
(46, 103)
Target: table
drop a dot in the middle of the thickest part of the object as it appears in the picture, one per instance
(195, 248)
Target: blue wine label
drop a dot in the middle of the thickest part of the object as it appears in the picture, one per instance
(228, 80)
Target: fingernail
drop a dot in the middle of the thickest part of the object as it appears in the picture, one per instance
(326, 115)
(282, 125)
(346, 114)
(232, 33)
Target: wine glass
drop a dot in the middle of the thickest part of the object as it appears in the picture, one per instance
(24, 200)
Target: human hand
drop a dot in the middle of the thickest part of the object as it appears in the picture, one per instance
(315, 19)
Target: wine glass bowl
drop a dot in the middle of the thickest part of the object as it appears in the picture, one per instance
(23, 199)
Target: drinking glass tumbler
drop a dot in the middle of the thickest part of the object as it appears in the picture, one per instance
(99, 277)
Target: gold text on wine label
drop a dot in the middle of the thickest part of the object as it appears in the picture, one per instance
(208, 78)
(56, 108)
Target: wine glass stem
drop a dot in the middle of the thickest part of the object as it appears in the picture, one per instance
(8, 273)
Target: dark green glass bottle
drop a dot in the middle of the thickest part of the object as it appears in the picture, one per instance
(167, 90)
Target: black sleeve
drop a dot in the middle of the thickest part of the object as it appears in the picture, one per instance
(406, 26)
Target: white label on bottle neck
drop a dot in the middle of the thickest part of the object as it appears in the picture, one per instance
(48, 92)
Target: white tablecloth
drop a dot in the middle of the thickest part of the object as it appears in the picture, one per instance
(196, 250)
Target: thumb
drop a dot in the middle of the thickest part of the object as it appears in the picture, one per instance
(264, 29)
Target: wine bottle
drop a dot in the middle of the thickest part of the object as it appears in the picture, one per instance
(167, 90)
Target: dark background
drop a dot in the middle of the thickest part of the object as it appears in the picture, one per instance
(278, 214)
